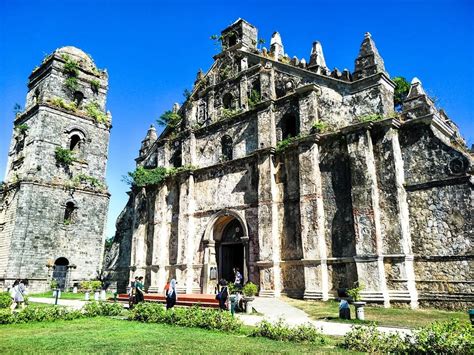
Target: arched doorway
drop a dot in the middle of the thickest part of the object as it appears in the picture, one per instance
(230, 250)
(226, 245)
(61, 267)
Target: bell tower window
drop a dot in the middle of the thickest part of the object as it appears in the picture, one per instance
(227, 148)
(227, 101)
(75, 143)
(69, 213)
(289, 126)
(78, 98)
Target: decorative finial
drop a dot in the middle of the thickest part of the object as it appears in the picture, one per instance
(367, 35)
(415, 80)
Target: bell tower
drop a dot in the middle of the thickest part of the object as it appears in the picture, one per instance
(54, 200)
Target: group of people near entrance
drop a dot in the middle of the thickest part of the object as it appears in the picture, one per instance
(17, 294)
(223, 291)
(136, 293)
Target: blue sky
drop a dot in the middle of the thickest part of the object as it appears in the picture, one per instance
(153, 49)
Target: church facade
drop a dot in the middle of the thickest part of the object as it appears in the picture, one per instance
(54, 200)
(305, 179)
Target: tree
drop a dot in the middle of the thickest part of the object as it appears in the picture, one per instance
(402, 86)
(169, 119)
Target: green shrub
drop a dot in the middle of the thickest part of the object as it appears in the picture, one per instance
(95, 309)
(93, 110)
(355, 291)
(228, 113)
(96, 284)
(250, 289)
(53, 284)
(449, 337)
(86, 179)
(86, 285)
(6, 316)
(370, 339)
(305, 333)
(5, 300)
(254, 98)
(64, 156)
(185, 317)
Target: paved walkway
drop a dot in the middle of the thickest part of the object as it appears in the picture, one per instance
(273, 309)
(74, 304)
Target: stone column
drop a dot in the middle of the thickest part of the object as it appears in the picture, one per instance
(161, 220)
(268, 234)
(139, 247)
(403, 217)
(211, 114)
(267, 82)
(186, 232)
(308, 108)
(312, 223)
(243, 93)
(366, 211)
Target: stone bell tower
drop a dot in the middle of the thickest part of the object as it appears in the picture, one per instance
(54, 201)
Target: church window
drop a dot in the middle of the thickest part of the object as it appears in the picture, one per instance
(227, 101)
(69, 213)
(289, 126)
(78, 98)
(232, 40)
(227, 148)
(75, 143)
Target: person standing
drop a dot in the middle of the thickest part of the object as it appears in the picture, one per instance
(139, 290)
(20, 292)
(131, 293)
(237, 278)
(223, 295)
(171, 294)
(13, 291)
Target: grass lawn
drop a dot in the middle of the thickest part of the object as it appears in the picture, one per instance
(109, 335)
(396, 317)
(68, 295)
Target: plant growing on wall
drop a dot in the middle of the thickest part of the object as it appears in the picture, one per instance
(370, 118)
(71, 70)
(64, 156)
(285, 143)
(58, 102)
(95, 85)
(320, 127)
(402, 87)
(93, 110)
(228, 112)
(169, 119)
(254, 98)
(86, 179)
(22, 128)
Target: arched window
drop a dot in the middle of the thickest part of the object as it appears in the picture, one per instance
(227, 101)
(75, 143)
(69, 212)
(289, 126)
(78, 98)
(227, 148)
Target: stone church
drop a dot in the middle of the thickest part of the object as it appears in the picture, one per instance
(54, 200)
(306, 179)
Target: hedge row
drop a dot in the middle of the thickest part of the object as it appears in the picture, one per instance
(47, 314)
(185, 317)
(305, 333)
(451, 337)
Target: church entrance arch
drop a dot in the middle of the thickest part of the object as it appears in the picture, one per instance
(226, 247)
(230, 250)
(61, 267)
